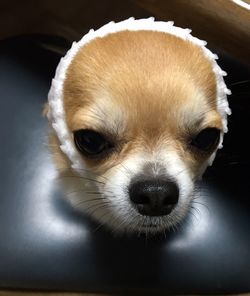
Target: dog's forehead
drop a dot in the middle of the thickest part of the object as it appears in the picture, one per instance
(143, 58)
(138, 79)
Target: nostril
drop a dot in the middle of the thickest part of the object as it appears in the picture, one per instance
(138, 193)
(171, 194)
(166, 202)
(142, 199)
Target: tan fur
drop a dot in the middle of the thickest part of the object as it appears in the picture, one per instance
(45, 110)
(60, 159)
(146, 89)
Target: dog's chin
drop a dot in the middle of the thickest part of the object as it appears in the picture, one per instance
(127, 220)
(140, 224)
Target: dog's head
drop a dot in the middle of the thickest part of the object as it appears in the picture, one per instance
(143, 121)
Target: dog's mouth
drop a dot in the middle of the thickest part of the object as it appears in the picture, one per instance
(148, 224)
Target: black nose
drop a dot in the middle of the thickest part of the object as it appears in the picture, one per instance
(154, 197)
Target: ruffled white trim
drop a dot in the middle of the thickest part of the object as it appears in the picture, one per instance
(55, 96)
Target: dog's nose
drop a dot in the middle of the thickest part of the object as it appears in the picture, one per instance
(154, 197)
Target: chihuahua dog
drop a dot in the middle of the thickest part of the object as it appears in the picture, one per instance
(138, 110)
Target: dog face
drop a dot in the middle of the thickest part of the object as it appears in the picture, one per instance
(141, 110)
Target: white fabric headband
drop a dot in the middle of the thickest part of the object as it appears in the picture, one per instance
(55, 96)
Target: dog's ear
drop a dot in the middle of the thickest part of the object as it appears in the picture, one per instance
(45, 110)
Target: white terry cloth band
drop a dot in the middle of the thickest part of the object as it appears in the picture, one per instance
(55, 96)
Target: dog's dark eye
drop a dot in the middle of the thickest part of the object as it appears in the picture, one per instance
(91, 143)
(207, 139)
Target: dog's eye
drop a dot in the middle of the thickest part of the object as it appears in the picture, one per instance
(206, 140)
(91, 143)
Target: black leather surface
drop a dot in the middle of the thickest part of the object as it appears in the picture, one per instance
(44, 244)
